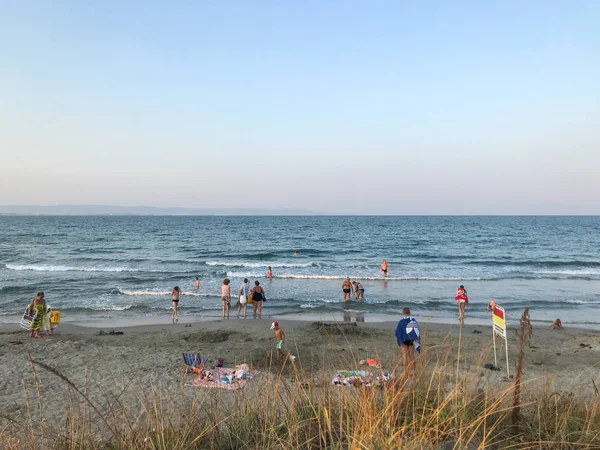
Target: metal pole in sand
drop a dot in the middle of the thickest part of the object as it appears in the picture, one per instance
(506, 348)
(494, 341)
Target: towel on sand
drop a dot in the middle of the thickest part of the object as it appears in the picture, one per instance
(222, 378)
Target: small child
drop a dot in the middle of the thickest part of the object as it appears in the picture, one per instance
(197, 283)
(48, 324)
(226, 297)
(279, 337)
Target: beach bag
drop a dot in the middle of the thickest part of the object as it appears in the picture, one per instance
(55, 317)
(243, 299)
(249, 300)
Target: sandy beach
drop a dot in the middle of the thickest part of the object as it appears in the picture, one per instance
(128, 366)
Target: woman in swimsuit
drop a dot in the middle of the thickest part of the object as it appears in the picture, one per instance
(360, 291)
(258, 295)
(226, 297)
(384, 268)
(269, 272)
(462, 299)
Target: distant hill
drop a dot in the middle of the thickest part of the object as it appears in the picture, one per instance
(107, 210)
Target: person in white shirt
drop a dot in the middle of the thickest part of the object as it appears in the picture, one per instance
(243, 298)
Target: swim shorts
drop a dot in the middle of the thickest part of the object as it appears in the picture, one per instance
(408, 343)
(278, 345)
(346, 291)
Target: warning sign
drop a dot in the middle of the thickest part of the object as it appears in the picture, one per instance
(499, 320)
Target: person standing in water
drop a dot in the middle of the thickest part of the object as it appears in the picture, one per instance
(347, 289)
(360, 291)
(384, 268)
(175, 293)
(462, 299)
(197, 284)
(258, 295)
(243, 298)
(226, 297)
(269, 272)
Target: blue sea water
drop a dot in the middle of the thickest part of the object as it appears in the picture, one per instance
(94, 267)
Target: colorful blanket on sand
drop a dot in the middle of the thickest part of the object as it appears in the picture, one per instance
(222, 378)
(359, 378)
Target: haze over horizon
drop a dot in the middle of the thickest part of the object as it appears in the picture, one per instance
(338, 107)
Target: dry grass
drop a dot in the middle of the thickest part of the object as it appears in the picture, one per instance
(436, 409)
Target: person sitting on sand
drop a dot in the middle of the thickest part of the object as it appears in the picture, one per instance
(408, 339)
(197, 283)
(258, 295)
(360, 291)
(243, 298)
(347, 289)
(37, 307)
(175, 293)
(384, 268)
(462, 299)
(269, 272)
(226, 297)
(279, 337)
(556, 325)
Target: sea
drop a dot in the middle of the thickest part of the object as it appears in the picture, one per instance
(124, 267)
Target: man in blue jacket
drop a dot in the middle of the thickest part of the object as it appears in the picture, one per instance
(408, 338)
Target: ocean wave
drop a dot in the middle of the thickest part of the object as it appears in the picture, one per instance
(257, 265)
(569, 272)
(162, 293)
(534, 263)
(371, 278)
(50, 268)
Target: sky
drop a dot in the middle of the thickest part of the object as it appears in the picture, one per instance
(345, 107)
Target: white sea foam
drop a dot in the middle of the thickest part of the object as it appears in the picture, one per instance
(162, 293)
(257, 265)
(50, 268)
(358, 277)
(569, 272)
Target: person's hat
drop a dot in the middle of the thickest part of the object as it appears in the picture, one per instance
(273, 325)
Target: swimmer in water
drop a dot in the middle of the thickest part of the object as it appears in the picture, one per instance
(296, 253)
(197, 283)
(269, 272)
(384, 268)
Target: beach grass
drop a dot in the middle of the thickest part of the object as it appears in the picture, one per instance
(295, 408)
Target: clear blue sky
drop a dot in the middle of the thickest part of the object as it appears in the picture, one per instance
(395, 107)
